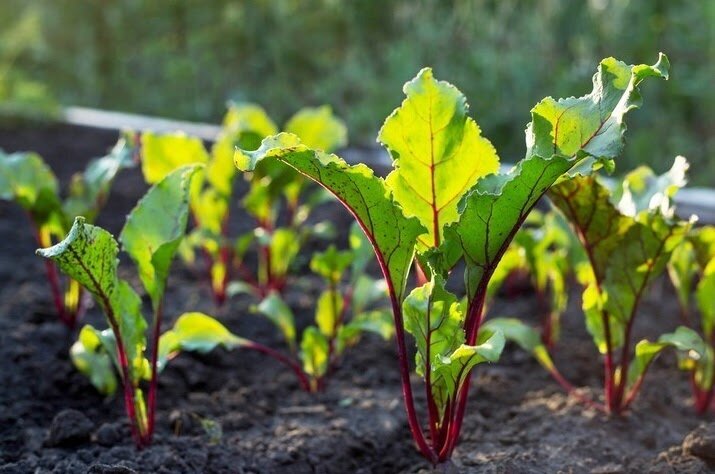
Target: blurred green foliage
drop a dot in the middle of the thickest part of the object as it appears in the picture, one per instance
(184, 58)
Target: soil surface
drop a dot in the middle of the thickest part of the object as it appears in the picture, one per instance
(238, 412)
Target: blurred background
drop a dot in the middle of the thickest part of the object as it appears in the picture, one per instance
(184, 58)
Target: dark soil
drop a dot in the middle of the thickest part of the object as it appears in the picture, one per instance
(236, 412)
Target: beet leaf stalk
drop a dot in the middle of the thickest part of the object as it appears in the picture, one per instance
(88, 254)
(443, 202)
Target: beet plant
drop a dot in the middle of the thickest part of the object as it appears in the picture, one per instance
(692, 271)
(278, 198)
(628, 231)
(27, 180)
(343, 312)
(444, 202)
(150, 237)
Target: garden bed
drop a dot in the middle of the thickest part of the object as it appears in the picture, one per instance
(518, 419)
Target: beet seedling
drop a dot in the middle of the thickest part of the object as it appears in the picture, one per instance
(27, 180)
(444, 202)
(628, 233)
(341, 315)
(692, 271)
(151, 236)
(278, 198)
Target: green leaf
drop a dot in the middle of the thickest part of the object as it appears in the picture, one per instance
(275, 309)
(318, 128)
(155, 227)
(248, 124)
(704, 297)
(91, 359)
(220, 171)
(683, 339)
(331, 264)
(366, 291)
(523, 335)
(27, 180)
(450, 371)
(195, 332)
(391, 233)
(314, 352)
(285, 246)
(210, 209)
(90, 190)
(493, 210)
(89, 255)
(683, 270)
(24, 177)
(327, 312)
(592, 125)
(434, 318)
(438, 153)
(703, 242)
(642, 190)
(626, 253)
(162, 154)
(379, 322)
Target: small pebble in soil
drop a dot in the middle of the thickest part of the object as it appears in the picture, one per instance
(701, 442)
(108, 434)
(107, 469)
(610, 468)
(69, 428)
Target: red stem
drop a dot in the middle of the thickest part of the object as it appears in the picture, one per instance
(302, 378)
(571, 391)
(153, 384)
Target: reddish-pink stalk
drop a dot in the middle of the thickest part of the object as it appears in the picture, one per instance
(302, 377)
(153, 383)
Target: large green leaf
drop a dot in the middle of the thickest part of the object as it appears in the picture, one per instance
(493, 210)
(592, 125)
(163, 153)
(195, 332)
(318, 128)
(155, 227)
(89, 255)
(438, 153)
(392, 234)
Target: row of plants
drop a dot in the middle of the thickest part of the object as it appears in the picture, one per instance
(445, 209)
